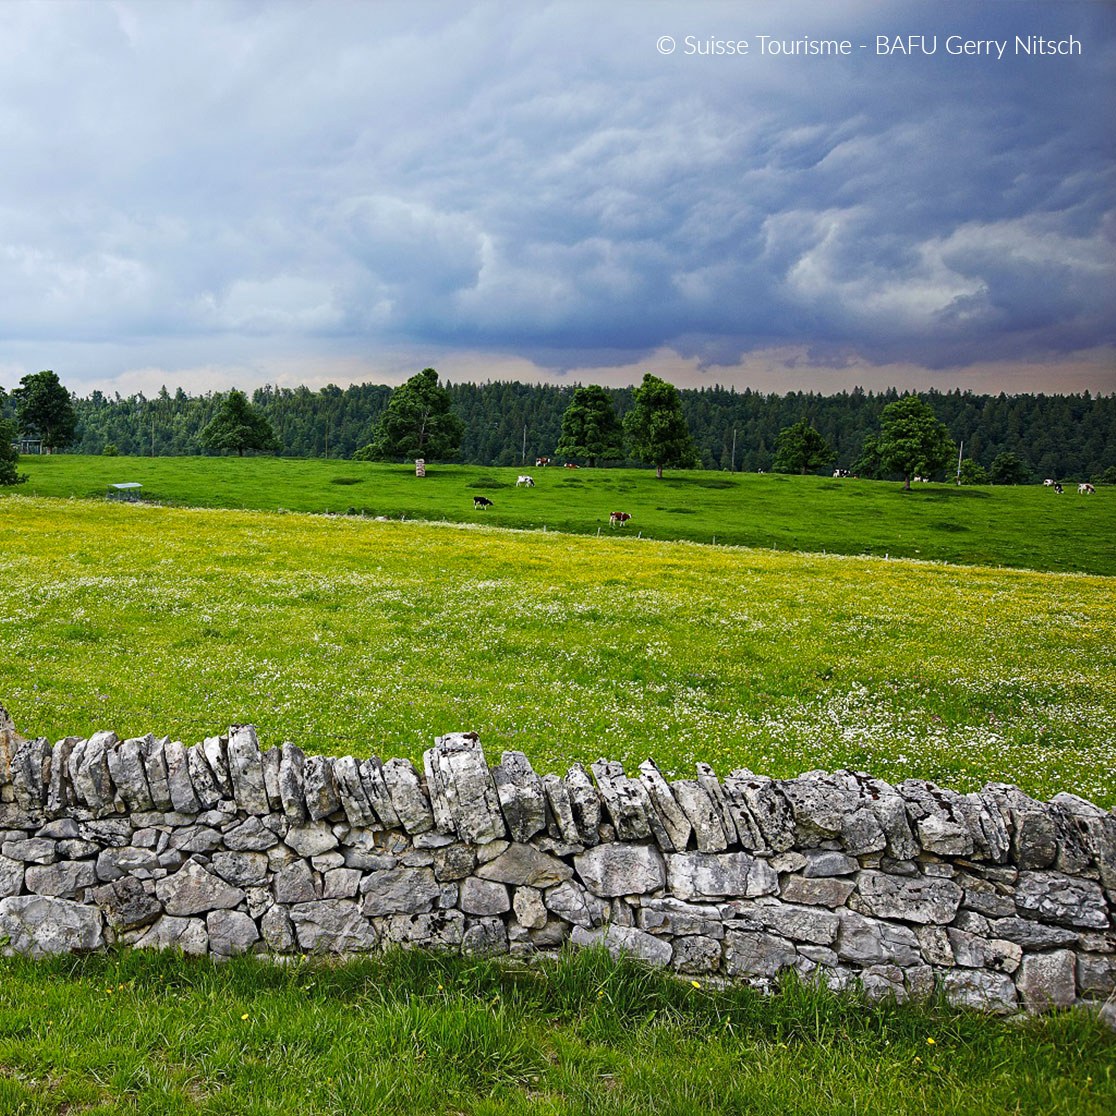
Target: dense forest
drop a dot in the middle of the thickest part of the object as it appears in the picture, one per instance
(1071, 437)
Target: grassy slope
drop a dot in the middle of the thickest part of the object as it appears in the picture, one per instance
(349, 635)
(1021, 527)
(439, 1035)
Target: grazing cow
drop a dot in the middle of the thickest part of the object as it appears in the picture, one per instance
(541, 462)
(618, 519)
(524, 482)
(1048, 483)
(481, 502)
(1057, 489)
(1086, 489)
(571, 465)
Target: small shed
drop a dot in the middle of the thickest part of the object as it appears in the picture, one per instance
(129, 490)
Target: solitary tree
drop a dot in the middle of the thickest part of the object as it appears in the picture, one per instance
(972, 472)
(800, 447)
(417, 422)
(590, 428)
(44, 407)
(9, 455)
(1007, 468)
(912, 440)
(656, 428)
(239, 426)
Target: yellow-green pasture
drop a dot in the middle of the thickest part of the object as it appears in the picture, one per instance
(352, 636)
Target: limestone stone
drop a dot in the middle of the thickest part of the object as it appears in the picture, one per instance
(61, 790)
(675, 918)
(179, 784)
(196, 839)
(619, 869)
(987, 826)
(987, 898)
(30, 850)
(127, 904)
(246, 773)
(868, 941)
(748, 830)
(408, 797)
(271, 761)
(89, 770)
(435, 930)
(750, 954)
(11, 876)
(521, 796)
(296, 883)
(250, 836)
(696, 955)
(890, 812)
(37, 925)
(125, 762)
(1054, 897)
(231, 933)
(522, 865)
(800, 924)
(571, 902)
(768, 806)
(563, 825)
(586, 804)
(341, 883)
(312, 839)
(975, 952)
(484, 897)
(484, 936)
(828, 862)
(192, 890)
(620, 940)
(1096, 974)
(935, 946)
(320, 787)
(453, 862)
(883, 982)
(65, 879)
(185, 934)
(920, 899)
(59, 829)
(126, 861)
(241, 869)
(30, 772)
(214, 750)
(529, 908)
(292, 782)
(351, 793)
(673, 830)
(1047, 980)
(332, 926)
(201, 777)
(399, 891)
(624, 804)
(827, 891)
(700, 875)
(277, 930)
(702, 814)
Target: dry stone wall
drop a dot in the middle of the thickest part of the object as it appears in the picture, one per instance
(222, 848)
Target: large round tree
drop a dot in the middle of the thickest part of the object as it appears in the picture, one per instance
(912, 439)
(800, 447)
(656, 427)
(44, 408)
(239, 426)
(417, 422)
(590, 428)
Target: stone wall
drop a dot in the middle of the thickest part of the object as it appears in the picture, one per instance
(223, 848)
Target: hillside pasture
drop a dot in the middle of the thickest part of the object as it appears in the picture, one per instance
(348, 635)
(1025, 527)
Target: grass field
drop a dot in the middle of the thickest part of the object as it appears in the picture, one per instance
(403, 1033)
(352, 636)
(1025, 527)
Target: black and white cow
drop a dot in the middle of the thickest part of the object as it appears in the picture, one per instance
(481, 502)
(524, 482)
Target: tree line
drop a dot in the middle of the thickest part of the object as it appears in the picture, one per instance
(1070, 437)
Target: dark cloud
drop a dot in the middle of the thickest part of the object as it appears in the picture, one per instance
(212, 185)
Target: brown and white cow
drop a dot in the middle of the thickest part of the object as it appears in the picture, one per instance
(618, 519)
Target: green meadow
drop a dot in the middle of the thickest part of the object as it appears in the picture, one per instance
(352, 635)
(1026, 527)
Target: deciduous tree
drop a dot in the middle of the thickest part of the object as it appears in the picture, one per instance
(239, 426)
(912, 440)
(9, 455)
(590, 428)
(656, 428)
(417, 422)
(44, 408)
(1007, 468)
(800, 447)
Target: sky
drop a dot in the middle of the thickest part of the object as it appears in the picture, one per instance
(211, 195)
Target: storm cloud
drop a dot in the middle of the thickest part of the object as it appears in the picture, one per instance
(215, 193)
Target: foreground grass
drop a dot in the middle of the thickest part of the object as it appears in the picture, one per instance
(418, 1033)
(1027, 527)
(348, 635)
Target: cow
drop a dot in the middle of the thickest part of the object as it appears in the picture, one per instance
(541, 462)
(1086, 489)
(618, 519)
(524, 482)
(481, 502)
(571, 465)
(1057, 489)
(1048, 483)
